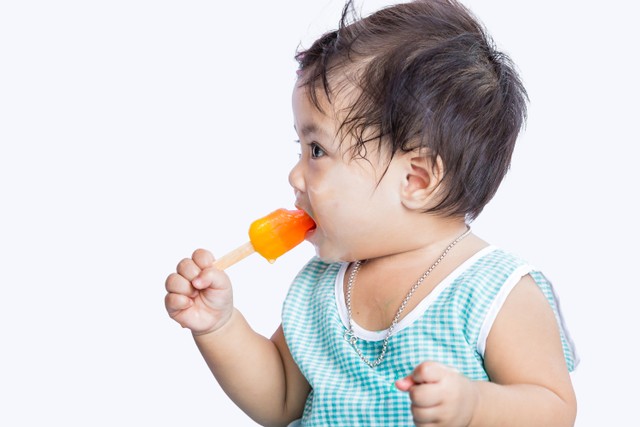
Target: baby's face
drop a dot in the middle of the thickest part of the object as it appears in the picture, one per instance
(351, 199)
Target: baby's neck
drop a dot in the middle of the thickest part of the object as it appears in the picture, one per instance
(382, 283)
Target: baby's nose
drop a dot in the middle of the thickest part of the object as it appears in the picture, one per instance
(296, 179)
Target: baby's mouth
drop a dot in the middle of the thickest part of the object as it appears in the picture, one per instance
(315, 224)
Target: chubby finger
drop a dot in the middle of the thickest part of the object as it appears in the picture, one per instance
(188, 269)
(426, 417)
(422, 395)
(426, 395)
(175, 303)
(177, 284)
(404, 384)
(430, 372)
(203, 258)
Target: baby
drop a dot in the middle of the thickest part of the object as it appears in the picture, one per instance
(407, 120)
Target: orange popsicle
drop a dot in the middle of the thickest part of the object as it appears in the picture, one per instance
(271, 236)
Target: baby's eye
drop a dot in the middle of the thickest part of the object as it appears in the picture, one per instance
(316, 150)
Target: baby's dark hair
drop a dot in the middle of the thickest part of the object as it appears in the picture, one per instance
(426, 75)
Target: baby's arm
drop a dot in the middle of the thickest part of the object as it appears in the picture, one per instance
(530, 383)
(257, 373)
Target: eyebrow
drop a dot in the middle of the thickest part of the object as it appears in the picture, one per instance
(310, 128)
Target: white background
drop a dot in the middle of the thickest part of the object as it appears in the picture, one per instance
(133, 132)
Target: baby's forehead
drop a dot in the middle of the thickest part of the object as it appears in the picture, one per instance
(336, 105)
(331, 102)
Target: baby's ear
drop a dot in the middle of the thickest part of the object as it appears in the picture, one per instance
(423, 177)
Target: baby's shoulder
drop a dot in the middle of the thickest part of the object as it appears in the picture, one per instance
(493, 264)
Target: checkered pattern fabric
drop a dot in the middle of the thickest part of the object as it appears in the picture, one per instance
(345, 391)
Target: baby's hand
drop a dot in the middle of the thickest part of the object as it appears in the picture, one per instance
(199, 296)
(440, 395)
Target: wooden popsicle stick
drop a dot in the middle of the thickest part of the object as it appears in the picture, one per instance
(238, 254)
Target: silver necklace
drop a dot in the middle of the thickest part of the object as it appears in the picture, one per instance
(350, 336)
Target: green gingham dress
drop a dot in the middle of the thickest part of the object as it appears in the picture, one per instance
(449, 326)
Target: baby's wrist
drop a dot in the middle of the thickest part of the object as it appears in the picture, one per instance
(216, 329)
(476, 395)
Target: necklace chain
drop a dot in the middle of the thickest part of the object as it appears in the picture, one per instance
(350, 336)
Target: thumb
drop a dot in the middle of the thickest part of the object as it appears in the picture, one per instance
(404, 384)
(211, 278)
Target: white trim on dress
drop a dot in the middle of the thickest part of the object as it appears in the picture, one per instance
(414, 314)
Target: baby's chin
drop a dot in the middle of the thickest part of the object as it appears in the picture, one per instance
(331, 256)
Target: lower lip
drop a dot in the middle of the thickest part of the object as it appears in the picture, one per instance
(310, 234)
